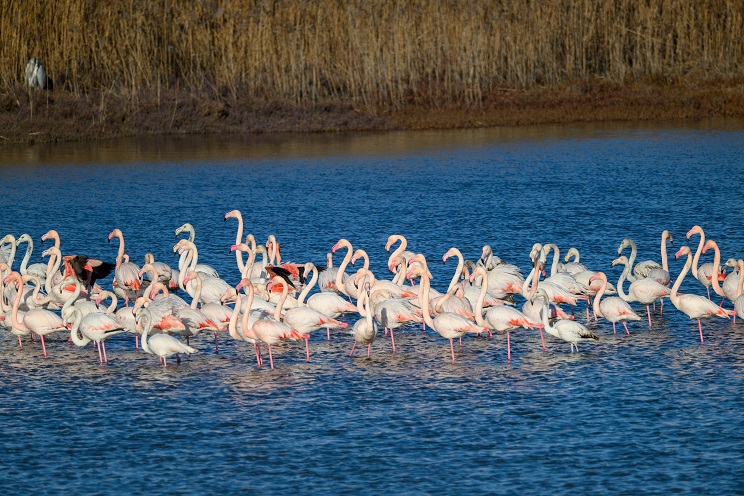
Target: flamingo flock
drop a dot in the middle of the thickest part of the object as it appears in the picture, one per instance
(273, 304)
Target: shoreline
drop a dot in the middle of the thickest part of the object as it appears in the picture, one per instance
(62, 117)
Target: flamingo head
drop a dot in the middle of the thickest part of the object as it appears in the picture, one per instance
(357, 255)
(709, 244)
(625, 243)
(241, 284)
(599, 275)
(339, 244)
(115, 232)
(240, 247)
(477, 272)
(232, 213)
(450, 253)
(391, 240)
(694, 230)
(619, 260)
(487, 250)
(685, 250)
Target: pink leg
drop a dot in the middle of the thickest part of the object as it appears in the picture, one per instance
(542, 338)
(20, 344)
(271, 358)
(164, 363)
(452, 349)
(369, 346)
(460, 342)
(103, 345)
(626, 328)
(392, 338)
(708, 288)
(661, 309)
(136, 341)
(216, 346)
(100, 358)
(43, 346)
(722, 300)
(328, 333)
(255, 350)
(614, 331)
(351, 353)
(386, 331)
(508, 346)
(700, 326)
(648, 311)
(307, 349)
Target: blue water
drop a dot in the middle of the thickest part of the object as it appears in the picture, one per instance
(654, 412)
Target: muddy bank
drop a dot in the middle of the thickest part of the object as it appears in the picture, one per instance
(62, 116)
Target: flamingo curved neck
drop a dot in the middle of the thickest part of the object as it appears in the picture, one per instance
(424, 297)
(458, 271)
(232, 325)
(556, 256)
(308, 287)
(27, 256)
(716, 267)
(621, 281)
(341, 268)
(16, 303)
(78, 318)
(598, 296)
(238, 240)
(664, 263)
(399, 250)
(699, 250)
(674, 296)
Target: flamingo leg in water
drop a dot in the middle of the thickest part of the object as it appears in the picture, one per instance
(708, 288)
(328, 333)
(452, 349)
(307, 349)
(508, 346)
(626, 328)
(103, 345)
(20, 345)
(700, 327)
(661, 309)
(136, 341)
(542, 339)
(271, 358)
(369, 346)
(100, 359)
(351, 353)
(187, 341)
(43, 346)
(178, 358)
(648, 311)
(460, 342)
(392, 339)
(614, 331)
(164, 363)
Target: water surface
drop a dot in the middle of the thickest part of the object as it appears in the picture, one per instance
(653, 412)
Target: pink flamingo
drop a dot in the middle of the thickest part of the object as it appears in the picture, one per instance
(365, 329)
(646, 290)
(612, 308)
(704, 273)
(245, 333)
(127, 273)
(96, 327)
(37, 320)
(694, 306)
(448, 325)
(500, 318)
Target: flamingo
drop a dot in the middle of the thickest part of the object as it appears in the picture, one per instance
(739, 300)
(96, 327)
(716, 268)
(448, 325)
(568, 330)
(37, 269)
(645, 291)
(37, 320)
(662, 275)
(641, 269)
(235, 214)
(704, 273)
(613, 308)
(162, 345)
(245, 333)
(365, 329)
(573, 267)
(126, 273)
(694, 306)
(327, 275)
(270, 330)
(502, 318)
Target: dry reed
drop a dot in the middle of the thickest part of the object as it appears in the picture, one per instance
(380, 54)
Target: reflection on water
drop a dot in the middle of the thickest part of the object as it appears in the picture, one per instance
(650, 412)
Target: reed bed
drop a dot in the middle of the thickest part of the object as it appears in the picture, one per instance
(374, 53)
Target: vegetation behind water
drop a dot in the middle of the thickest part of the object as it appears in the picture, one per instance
(377, 58)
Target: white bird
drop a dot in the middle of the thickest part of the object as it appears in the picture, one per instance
(568, 330)
(161, 345)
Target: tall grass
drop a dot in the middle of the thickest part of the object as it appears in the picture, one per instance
(370, 52)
